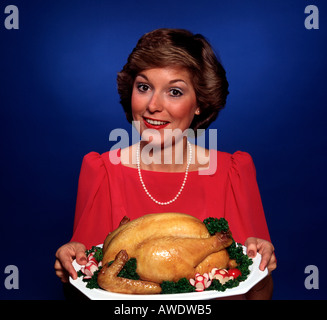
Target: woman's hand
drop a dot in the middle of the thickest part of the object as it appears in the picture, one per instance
(266, 249)
(264, 289)
(64, 258)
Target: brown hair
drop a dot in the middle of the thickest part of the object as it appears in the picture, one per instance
(178, 47)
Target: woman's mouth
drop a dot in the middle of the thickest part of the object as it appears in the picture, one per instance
(155, 124)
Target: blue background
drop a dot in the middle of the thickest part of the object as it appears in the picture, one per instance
(59, 101)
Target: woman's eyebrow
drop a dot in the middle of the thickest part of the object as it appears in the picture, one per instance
(143, 76)
(177, 80)
(170, 82)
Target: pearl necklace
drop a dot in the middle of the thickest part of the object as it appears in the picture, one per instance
(145, 188)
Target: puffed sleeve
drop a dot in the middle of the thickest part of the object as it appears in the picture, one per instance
(244, 210)
(92, 214)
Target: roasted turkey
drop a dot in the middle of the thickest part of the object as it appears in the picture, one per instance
(167, 247)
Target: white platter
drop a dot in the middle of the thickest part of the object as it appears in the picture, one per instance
(254, 277)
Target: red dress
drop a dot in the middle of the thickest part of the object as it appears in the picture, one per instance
(107, 192)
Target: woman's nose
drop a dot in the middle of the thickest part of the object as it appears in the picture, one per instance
(155, 103)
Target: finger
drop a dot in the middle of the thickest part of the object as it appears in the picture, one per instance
(266, 256)
(60, 272)
(80, 254)
(272, 265)
(57, 265)
(62, 275)
(264, 262)
(71, 270)
(65, 260)
(251, 247)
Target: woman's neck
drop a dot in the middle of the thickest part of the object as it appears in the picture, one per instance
(200, 158)
(165, 158)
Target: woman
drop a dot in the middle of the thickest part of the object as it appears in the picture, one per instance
(172, 82)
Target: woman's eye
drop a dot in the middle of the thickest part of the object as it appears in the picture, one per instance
(176, 92)
(143, 87)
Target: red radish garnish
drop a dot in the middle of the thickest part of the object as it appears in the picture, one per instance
(91, 266)
(234, 272)
(92, 259)
(200, 282)
(220, 274)
(199, 286)
(203, 281)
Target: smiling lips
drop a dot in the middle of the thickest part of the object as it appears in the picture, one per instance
(155, 124)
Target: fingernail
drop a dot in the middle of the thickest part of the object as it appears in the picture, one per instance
(82, 260)
(251, 254)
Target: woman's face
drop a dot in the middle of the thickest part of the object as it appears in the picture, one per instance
(163, 98)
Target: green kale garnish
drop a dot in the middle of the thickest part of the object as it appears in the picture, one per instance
(181, 286)
(216, 285)
(98, 254)
(129, 270)
(235, 251)
(80, 273)
(93, 282)
(215, 225)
